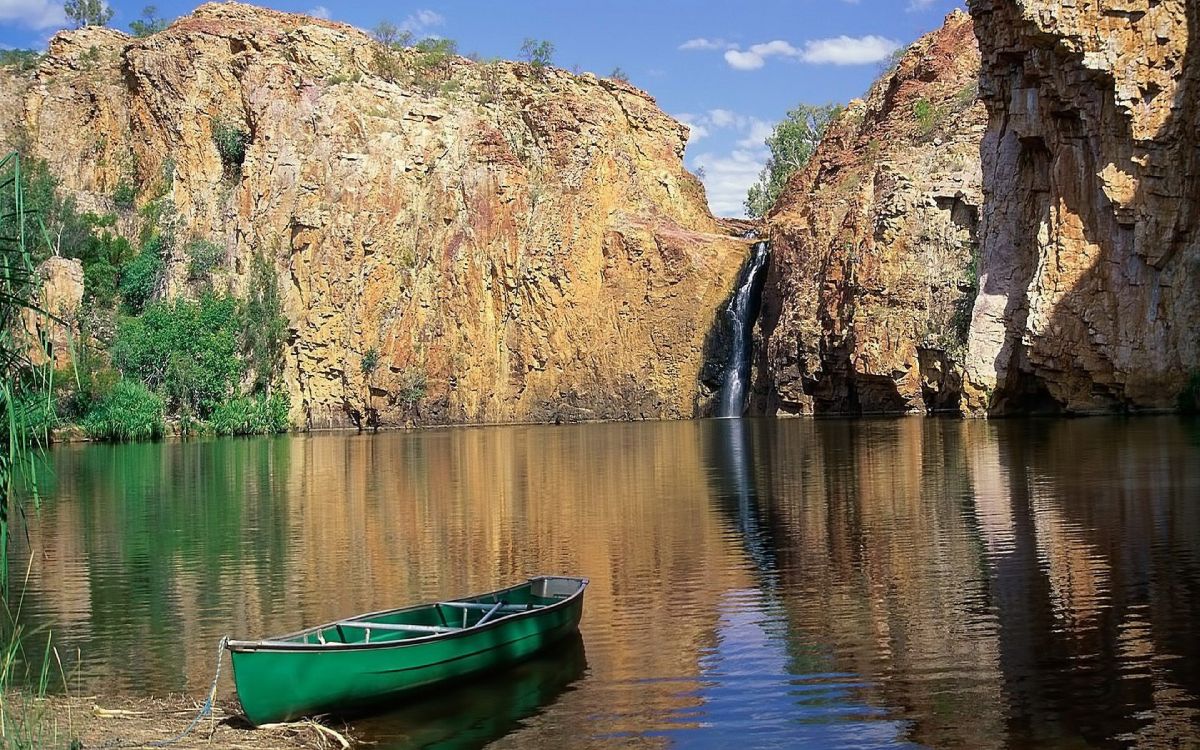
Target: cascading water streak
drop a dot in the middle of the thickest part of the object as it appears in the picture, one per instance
(742, 311)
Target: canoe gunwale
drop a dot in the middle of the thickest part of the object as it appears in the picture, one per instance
(281, 644)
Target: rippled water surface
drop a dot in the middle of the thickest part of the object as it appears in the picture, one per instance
(895, 583)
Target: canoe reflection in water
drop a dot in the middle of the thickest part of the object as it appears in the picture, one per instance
(476, 713)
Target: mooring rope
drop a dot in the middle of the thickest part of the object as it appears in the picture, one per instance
(206, 709)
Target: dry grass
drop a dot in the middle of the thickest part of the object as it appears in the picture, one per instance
(111, 723)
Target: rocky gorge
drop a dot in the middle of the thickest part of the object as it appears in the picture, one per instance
(525, 243)
(1004, 224)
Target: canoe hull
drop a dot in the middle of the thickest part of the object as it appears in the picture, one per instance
(280, 684)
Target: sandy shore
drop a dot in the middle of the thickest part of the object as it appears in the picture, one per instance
(110, 723)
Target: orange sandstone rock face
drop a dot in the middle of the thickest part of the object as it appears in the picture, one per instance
(869, 293)
(1090, 289)
(529, 246)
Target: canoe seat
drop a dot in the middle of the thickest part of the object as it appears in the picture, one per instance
(362, 625)
(485, 607)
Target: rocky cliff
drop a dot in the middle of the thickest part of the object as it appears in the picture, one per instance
(871, 282)
(1090, 284)
(516, 244)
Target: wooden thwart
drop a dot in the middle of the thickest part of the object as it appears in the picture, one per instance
(363, 625)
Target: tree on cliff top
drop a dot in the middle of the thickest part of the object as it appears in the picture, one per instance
(88, 12)
(149, 23)
(792, 143)
(538, 53)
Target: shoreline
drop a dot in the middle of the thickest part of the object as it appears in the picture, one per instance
(95, 721)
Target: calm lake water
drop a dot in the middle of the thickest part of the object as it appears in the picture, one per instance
(892, 583)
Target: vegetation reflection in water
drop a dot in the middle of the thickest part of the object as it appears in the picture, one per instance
(870, 583)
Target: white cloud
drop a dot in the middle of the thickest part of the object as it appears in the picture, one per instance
(319, 12)
(756, 133)
(840, 50)
(421, 21)
(696, 128)
(34, 14)
(915, 6)
(848, 50)
(702, 43)
(727, 178)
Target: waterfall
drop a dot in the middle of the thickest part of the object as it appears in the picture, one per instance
(741, 314)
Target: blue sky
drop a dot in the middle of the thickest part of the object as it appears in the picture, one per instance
(728, 69)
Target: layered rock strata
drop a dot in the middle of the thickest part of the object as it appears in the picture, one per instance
(516, 244)
(1090, 297)
(869, 293)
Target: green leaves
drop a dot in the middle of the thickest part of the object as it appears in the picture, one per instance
(129, 412)
(538, 53)
(188, 351)
(231, 140)
(88, 12)
(792, 143)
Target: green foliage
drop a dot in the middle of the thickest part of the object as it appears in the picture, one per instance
(88, 12)
(141, 277)
(264, 328)
(231, 140)
(432, 64)
(792, 143)
(100, 283)
(21, 60)
(964, 307)
(252, 415)
(149, 23)
(538, 53)
(22, 384)
(1189, 397)
(130, 411)
(203, 258)
(925, 115)
(370, 362)
(386, 62)
(390, 35)
(618, 74)
(125, 194)
(412, 386)
(186, 350)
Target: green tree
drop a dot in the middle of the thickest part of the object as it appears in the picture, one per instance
(791, 144)
(391, 35)
(187, 351)
(538, 53)
(88, 12)
(264, 327)
(149, 23)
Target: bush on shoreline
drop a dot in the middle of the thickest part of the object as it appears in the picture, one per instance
(129, 412)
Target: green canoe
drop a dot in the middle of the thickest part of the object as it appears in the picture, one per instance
(364, 661)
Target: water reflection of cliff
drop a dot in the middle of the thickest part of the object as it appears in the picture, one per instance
(998, 585)
(143, 549)
(977, 584)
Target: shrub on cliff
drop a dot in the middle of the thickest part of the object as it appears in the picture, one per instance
(142, 275)
(231, 140)
(130, 411)
(203, 258)
(264, 327)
